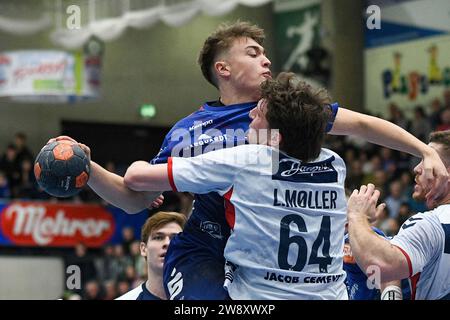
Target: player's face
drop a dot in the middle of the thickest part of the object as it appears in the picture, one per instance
(248, 65)
(156, 247)
(259, 127)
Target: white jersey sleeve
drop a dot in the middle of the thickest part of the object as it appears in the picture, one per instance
(213, 171)
(421, 238)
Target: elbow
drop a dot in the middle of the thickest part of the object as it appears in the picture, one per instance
(131, 179)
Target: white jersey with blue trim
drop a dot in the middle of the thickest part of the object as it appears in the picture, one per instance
(425, 241)
(287, 219)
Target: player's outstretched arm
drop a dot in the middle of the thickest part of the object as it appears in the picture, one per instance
(387, 134)
(111, 187)
(371, 251)
(142, 176)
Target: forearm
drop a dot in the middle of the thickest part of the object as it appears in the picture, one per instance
(111, 188)
(378, 131)
(370, 249)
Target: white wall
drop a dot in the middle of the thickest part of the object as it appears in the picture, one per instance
(27, 278)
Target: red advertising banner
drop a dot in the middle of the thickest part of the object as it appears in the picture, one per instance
(56, 224)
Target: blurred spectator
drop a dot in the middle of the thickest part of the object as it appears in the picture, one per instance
(379, 178)
(390, 227)
(84, 262)
(388, 162)
(110, 290)
(127, 239)
(23, 152)
(122, 286)
(5, 192)
(355, 175)
(120, 262)
(395, 199)
(397, 117)
(105, 264)
(8, 164)
(421, 126)
(435, 116)
(130, 274)
(27, 188)
(407, 183)
(445, 120)
(92, 291)
(139, 263)
(403, 213)
(447, 98)
(371, 166)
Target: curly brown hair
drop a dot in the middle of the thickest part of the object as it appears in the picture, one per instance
(221, 40)
(299, 112)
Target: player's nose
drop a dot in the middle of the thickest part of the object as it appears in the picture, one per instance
(252, 113)
(266, 62)
(166, 242)
(418, 169)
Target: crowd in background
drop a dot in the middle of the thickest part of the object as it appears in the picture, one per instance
(120, 267)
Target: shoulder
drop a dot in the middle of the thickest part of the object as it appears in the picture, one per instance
(132, 294)
(327, 153)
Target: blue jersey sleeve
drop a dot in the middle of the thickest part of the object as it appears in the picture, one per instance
(334, 109)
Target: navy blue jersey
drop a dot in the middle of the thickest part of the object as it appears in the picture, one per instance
(206, 232)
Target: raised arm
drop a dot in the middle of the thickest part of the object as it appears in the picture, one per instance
(387, 134)
(368, 248)
(111, 187)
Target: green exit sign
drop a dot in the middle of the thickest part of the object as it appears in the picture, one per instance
(147, 111)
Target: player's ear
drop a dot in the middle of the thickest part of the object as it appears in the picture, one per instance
(222, 69)
(143, 248)
(275, 137)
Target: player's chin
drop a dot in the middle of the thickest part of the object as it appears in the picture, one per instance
(418, 193)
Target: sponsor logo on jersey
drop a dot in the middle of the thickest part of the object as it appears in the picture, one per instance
(31, 224)
(205, 139)
(294, 170)
(198, 124)
(212, 228)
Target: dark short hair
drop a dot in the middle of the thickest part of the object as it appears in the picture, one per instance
(159, 220)
(443, 139)
(299, 112)
(222, 39)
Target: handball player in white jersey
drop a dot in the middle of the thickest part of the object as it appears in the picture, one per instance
(421, 250)
(285, 205)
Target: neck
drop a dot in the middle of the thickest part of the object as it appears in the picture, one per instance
(446, 200)
(229, 96)
(154, 284)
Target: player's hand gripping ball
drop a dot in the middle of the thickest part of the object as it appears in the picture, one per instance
(62, 168)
